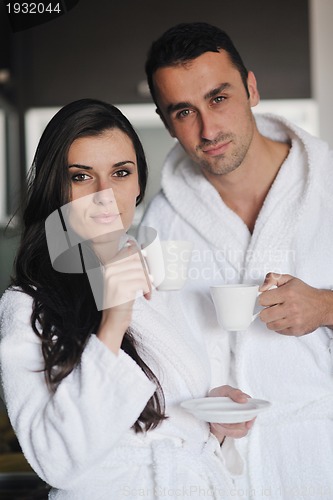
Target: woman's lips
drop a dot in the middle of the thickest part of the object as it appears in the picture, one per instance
(105, 218)
(216, 150)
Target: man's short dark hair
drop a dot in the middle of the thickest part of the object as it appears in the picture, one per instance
(187, 41)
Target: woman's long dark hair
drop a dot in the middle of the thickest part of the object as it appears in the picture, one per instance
(64, 312)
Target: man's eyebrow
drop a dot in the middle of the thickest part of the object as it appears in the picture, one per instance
(217, 90)
(177, 107)
(212, 93)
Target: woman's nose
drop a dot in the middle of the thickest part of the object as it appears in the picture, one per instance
(104, 197)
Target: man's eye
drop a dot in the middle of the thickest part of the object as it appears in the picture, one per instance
(184, 113)
(218, 99)
(80, 177)
(121, 173)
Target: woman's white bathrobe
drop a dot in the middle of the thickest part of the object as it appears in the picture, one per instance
(80, 439)
(289, 452)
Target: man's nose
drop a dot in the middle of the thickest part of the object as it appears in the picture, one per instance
(209, 127)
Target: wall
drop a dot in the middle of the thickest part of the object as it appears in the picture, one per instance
(321, 16)
(98, 49)
(8, 245)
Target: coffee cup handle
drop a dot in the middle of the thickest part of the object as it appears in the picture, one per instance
(144, 255)
(259, 293)
(255, 316)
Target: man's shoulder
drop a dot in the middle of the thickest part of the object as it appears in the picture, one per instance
(161, 216)
(158, 204)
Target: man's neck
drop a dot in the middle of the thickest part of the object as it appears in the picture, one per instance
(244, 190)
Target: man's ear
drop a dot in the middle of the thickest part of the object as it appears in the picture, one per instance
(167, 126)
(253, 89)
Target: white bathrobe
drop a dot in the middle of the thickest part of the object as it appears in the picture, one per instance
(289, 452)
(80, 439)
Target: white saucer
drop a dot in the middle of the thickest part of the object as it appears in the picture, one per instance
(224, 410)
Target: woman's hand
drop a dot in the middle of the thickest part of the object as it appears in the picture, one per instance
(240, 430)
(125, 279)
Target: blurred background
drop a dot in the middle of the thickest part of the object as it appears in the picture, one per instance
(98, 49)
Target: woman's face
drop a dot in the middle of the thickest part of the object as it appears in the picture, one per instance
(104, 182)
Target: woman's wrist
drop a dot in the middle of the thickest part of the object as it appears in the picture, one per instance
(111, 333)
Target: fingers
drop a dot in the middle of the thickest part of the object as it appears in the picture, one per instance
(125, 278)
(238, 430)
(238, 396)
(147, 296)
(235, 431)
(230, 392)
(276, 279)
(273, 291)
(294, 308)
(279, 310)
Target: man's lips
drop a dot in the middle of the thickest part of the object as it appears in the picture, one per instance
(215, 150)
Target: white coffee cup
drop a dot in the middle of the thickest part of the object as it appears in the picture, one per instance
(234, 305)
(176, 255)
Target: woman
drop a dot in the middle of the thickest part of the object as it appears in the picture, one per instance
(93, 392)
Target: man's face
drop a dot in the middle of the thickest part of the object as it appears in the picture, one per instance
(204, 104)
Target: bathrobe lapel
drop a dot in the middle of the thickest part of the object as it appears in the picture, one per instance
(203, 208)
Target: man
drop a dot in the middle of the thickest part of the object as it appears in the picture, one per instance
(255, 196)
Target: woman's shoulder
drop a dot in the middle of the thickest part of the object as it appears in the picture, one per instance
(14, 304)
(13, 297)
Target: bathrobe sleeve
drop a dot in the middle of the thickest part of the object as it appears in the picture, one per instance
(65, 434)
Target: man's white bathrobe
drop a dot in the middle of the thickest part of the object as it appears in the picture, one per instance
(289, 452)
(80, 441)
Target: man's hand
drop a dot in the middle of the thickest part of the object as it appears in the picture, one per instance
(294, 308)
(240, 430)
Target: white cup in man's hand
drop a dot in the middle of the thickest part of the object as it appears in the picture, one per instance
(234, 305)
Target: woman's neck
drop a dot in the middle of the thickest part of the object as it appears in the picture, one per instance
(107, 246)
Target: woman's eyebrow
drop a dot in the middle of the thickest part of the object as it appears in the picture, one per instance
(77, 165)
(116, 165)
(122, 163)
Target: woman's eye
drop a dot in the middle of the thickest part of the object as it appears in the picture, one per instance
(80, 177)
(121, 173)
